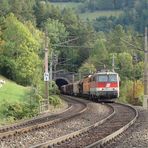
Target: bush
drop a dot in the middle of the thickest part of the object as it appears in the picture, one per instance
(54, 89)
(17, 110)
(135, 94)
(132, 93)
(54, 100)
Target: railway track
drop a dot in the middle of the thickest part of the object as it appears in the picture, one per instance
(98, 134)
(60, 132)
(75, 108)
(85, 117)
(35, 120)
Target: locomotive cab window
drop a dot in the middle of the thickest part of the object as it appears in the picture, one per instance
(107, 78)
(102, 78)
(112, 78)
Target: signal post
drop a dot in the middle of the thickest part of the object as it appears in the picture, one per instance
(46, 75)
(145, 99)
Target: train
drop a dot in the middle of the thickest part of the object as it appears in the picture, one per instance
(101, 86)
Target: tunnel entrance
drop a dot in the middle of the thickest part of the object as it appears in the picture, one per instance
(61, 82)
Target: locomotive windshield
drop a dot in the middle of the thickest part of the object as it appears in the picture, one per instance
(107, 78)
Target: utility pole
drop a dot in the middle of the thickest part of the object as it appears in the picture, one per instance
(134, 62)
(145, 99)
(55, 62)
(80, 75)
(50, 71)
(46, 74)
(113, 64)
(73, 78)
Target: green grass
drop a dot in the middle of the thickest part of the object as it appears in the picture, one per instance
(63, 5)
(94, 15)
(11, 92)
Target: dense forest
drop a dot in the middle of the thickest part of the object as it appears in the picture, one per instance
(134, 17)
(81, 46)
(93, 5)
(66, 0)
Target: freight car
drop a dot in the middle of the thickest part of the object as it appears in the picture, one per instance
(86, 86)
(76, 88)
(101, 86)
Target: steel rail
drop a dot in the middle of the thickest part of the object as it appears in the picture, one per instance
(38, 119)
(100, 143)
(42, 125)
(59, 140)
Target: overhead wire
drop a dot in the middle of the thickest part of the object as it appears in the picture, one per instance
(140, 49)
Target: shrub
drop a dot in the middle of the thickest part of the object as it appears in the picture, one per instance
(132, 92)
(135, 94)
(54, 89)
(54, 100)
(17, 110)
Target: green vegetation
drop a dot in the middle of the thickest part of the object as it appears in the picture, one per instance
(96, 14)
(14, 97)
(127, 66)
(54, 100)
(91, 15)
(131, 92)
(10, 91)
(81, 45)
(63, 5)
(18, 102)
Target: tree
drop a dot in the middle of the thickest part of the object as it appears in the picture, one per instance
(43, 11)
(105, 24)
(138, 70)
(84, 33)
(4, 7)
(40, 11)
(20, 51)
(115, 43)
(125, 65)
(137, 16)
(87, 68)
(23, 9)
(99, 54)
(56, 31)
(0, 37)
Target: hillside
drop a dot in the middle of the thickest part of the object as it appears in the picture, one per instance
(91, 15)
(63, 5)
(11, 91)
(96, 14)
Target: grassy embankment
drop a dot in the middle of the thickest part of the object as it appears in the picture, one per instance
(17, 102)
(11, 92)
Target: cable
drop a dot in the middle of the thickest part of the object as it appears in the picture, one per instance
(66, 41)
(72, 46)
(140, 49)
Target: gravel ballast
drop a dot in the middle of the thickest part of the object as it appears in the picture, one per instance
(96, 112)
(136, 136)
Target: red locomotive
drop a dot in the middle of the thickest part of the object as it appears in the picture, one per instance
(104, 85)
(100, 86)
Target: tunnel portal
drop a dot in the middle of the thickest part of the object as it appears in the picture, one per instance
(61, 81)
